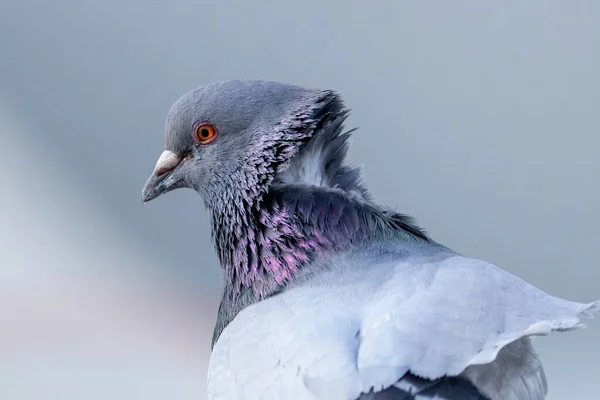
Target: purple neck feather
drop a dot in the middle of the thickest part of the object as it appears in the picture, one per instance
(262, 247)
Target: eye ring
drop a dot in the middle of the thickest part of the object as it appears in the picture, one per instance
(206, 133)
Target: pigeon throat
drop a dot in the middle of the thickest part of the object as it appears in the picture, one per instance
(261, 249)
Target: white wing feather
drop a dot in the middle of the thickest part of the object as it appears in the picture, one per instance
(365, 328)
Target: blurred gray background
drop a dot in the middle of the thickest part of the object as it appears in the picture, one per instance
(484, 114)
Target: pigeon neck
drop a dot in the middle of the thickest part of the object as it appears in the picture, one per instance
(264, 245)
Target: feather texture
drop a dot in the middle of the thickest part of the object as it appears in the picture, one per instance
(376, 314)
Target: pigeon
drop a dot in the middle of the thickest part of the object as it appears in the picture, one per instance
(326, 293)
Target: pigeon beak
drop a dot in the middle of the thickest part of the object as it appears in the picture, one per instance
(158, 183)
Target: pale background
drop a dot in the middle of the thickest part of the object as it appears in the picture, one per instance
(479, 118)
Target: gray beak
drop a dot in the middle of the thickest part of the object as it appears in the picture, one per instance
(159, 182)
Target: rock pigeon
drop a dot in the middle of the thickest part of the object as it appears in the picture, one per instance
(327, 294)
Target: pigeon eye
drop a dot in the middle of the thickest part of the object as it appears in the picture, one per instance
(206, 133)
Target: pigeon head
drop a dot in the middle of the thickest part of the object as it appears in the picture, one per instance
(229, 140)
(269, 160)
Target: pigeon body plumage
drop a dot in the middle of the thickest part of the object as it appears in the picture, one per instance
(328, 295)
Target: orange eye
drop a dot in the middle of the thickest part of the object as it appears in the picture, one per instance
(206, 133)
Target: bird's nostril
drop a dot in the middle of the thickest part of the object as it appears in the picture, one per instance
(167, 161)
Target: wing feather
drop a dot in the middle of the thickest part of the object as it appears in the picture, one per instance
(358, 329)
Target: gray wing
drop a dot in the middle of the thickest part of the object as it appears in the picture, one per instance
(414, 388)
(359, 330)
(516, 373)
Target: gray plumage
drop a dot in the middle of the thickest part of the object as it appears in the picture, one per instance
(326, 293)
